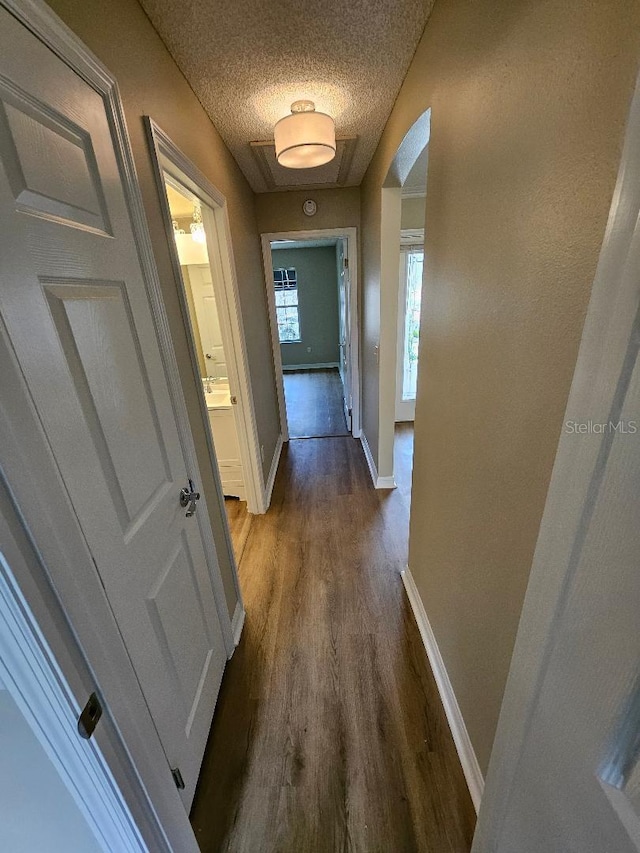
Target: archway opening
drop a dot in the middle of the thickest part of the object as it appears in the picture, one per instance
(402, 228)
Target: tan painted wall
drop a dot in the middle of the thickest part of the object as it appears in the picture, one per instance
(412, 213)
(529, 102)
(339, 208)
(120, 34)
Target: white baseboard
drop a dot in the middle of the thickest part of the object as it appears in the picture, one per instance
(268, 489)
(466, 753)
(323, 366)
(237, 622)
(378, 482)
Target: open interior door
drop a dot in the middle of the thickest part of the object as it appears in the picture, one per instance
(344, 309)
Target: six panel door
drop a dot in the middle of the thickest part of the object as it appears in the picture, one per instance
(75, 309)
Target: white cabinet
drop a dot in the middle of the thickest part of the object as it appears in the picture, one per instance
(225, 437)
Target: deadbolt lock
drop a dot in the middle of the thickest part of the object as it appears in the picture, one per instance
(177, 778)
(88, 719)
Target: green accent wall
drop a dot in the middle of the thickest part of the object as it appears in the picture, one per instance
(318, 304)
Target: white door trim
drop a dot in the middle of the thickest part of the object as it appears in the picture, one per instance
(32, 477)
(168, 157)
(577, 472)
(351, 235)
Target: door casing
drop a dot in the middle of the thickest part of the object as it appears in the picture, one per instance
(351, 236)
(167, 157)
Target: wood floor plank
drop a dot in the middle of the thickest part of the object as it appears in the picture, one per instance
(239, 520)
(329, 733)
(314, 403)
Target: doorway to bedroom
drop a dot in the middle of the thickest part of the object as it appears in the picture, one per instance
(310, 291)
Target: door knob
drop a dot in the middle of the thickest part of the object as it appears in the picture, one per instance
(188, 498)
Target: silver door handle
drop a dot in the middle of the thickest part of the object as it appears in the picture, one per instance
(188, 498)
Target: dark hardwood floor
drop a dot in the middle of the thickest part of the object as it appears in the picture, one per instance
(239, 525)
(314, 403)
(329, 734)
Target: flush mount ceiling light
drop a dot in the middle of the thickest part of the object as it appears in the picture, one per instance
(305, 138)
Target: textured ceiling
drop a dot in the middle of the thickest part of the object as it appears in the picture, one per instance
(248, 60)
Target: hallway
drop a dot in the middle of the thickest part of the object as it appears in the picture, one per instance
(329, 734)
(314, 403)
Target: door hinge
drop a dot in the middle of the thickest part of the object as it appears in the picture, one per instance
(346, 263)
(88, 719)
(177, 778)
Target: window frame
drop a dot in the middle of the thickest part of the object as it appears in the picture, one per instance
(281, 286)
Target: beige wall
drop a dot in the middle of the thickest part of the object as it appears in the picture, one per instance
(120, 34)
(412, 213)
(339, 208)
(529, 102)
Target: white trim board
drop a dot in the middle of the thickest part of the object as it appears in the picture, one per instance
(378, 482)
(319, 366)
(464, 747)
(237, 623)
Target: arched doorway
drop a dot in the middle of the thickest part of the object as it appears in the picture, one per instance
(403, 203)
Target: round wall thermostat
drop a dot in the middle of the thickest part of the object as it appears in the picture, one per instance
(309, 207)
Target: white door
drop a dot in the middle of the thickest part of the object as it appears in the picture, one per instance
(75, 309)
(565, 770)
(208, 320)
(344, 328)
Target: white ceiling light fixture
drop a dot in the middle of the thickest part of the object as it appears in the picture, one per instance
(305, 138)
(196, 227)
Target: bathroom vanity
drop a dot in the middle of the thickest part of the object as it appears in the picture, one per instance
(222, 418)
